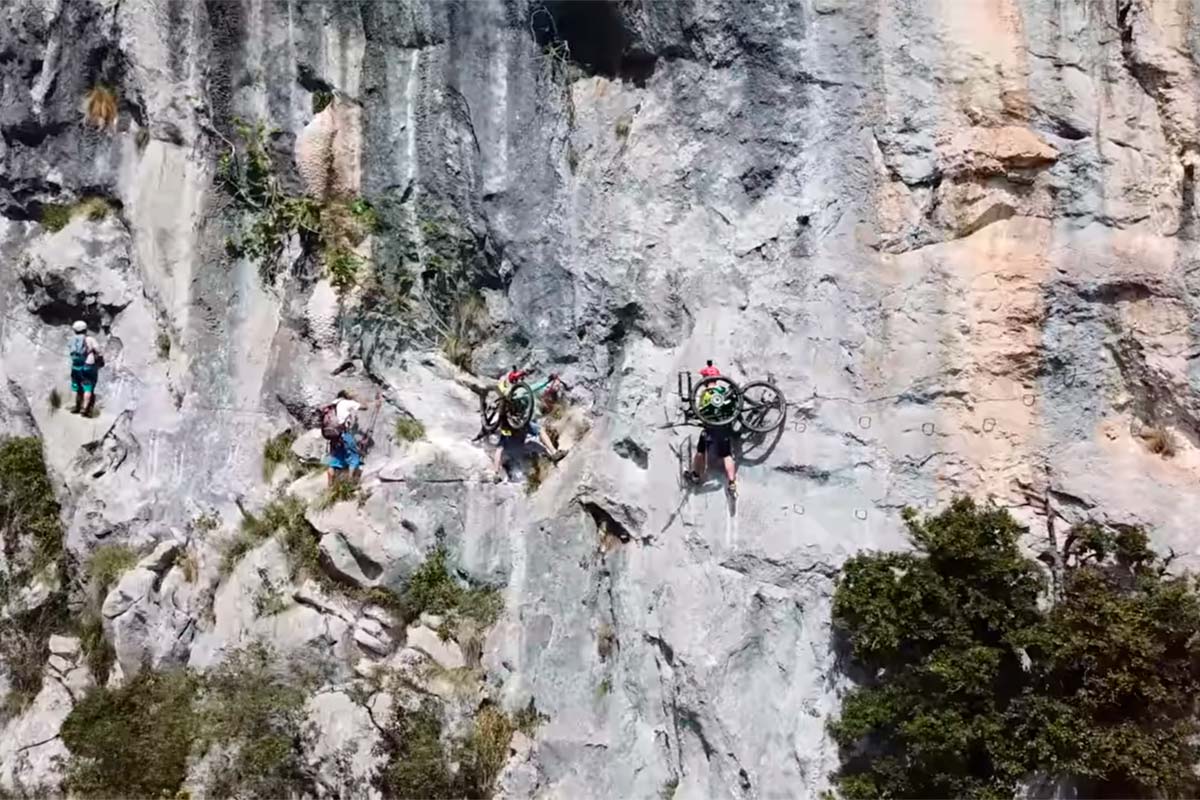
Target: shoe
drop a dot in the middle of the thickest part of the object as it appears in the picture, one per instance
(691, 476)
(558, 456)
(76, 410)
(733, 489)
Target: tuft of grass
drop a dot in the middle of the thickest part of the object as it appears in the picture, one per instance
(283, 518)
(1159, 440)
(109, 563)
(622, 127)
(539, 467)
(340, 491)
(31, 532)
(321, 99)
(278, 450)
(97, 651)
(24, 649)
(92, 208)
(100, 106)
(55, 400)
(54, 216)
(409, 429)
(667, 790)
(269, 601)
(162, 344)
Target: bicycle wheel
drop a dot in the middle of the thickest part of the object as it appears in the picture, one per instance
(518, 408)
(490, 409)
(716, 401)
(763, 407)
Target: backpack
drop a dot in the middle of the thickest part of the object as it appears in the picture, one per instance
(331, 429)
(79, 351)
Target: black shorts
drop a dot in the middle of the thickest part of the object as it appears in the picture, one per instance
(719, 439)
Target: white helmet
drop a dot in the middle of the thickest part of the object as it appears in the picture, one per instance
(80, 326)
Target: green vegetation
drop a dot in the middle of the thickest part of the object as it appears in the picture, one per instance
(162, 344)
(321, 100)
(432, 589)
(283, 518)
(132, 741)
(409, 429)
(329, 229)
(340, 491)
(108, 563)
(278, 450)
(252, 709)
(56, 216)
(971, 685)
(135, 741)
(24, 648)
(420, 765)
(539, 467)
(30, 530)
(97, 650)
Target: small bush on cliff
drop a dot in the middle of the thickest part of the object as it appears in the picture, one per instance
(109, 563)
(969, 685)
(133, 741)
(277, 451)
(247, 713)
(409, 429)
(30, 530)
(329, 229)
(434, 590)
(252, 709)
(423, 763)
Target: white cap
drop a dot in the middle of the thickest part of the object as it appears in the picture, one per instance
(80, 326)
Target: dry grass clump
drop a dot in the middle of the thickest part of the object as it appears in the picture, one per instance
(100, 106)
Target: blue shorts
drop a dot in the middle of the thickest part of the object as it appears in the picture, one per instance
(83, 379)
(344, 454)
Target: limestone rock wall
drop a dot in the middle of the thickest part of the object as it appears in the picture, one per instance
(959, 236)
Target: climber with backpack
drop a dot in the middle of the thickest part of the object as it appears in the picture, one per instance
(86, 361)
(719, 439)
(514, 440)
(339, 427)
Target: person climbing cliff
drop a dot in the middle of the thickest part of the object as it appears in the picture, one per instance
(339, 427)
(718, 439)
(514, 440)
(86, 360)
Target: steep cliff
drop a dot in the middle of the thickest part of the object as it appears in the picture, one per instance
(958, 236)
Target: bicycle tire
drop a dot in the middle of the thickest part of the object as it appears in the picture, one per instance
(490, 408)
(753, 414)
(518, 412)
(727, 412)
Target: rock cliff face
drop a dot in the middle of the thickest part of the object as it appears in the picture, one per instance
(959, 237)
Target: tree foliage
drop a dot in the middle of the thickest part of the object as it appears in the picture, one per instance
(970, 685)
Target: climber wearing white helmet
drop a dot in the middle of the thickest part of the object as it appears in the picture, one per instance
(86, 360)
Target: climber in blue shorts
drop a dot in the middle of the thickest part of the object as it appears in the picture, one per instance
(86, 361)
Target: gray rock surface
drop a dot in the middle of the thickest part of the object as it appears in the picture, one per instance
(959, 239)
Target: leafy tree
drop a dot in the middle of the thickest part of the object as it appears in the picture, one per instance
(969, 685)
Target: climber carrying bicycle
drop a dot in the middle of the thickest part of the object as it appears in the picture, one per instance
(512, 439)
(719, 438)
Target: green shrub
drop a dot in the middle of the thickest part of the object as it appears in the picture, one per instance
(162, 344)
(278, 450)
(30, 529)
(132, 741)
(97, 650)
(409, 429)
(108, 563)
(432, 589)
(253, 707)
(135, 741)
(55, 216)
(24, 649)
(331, 228)
(416, 759)
(321, 100)
(284, 518)
(970, 685)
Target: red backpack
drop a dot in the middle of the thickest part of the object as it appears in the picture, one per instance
(331, 429)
